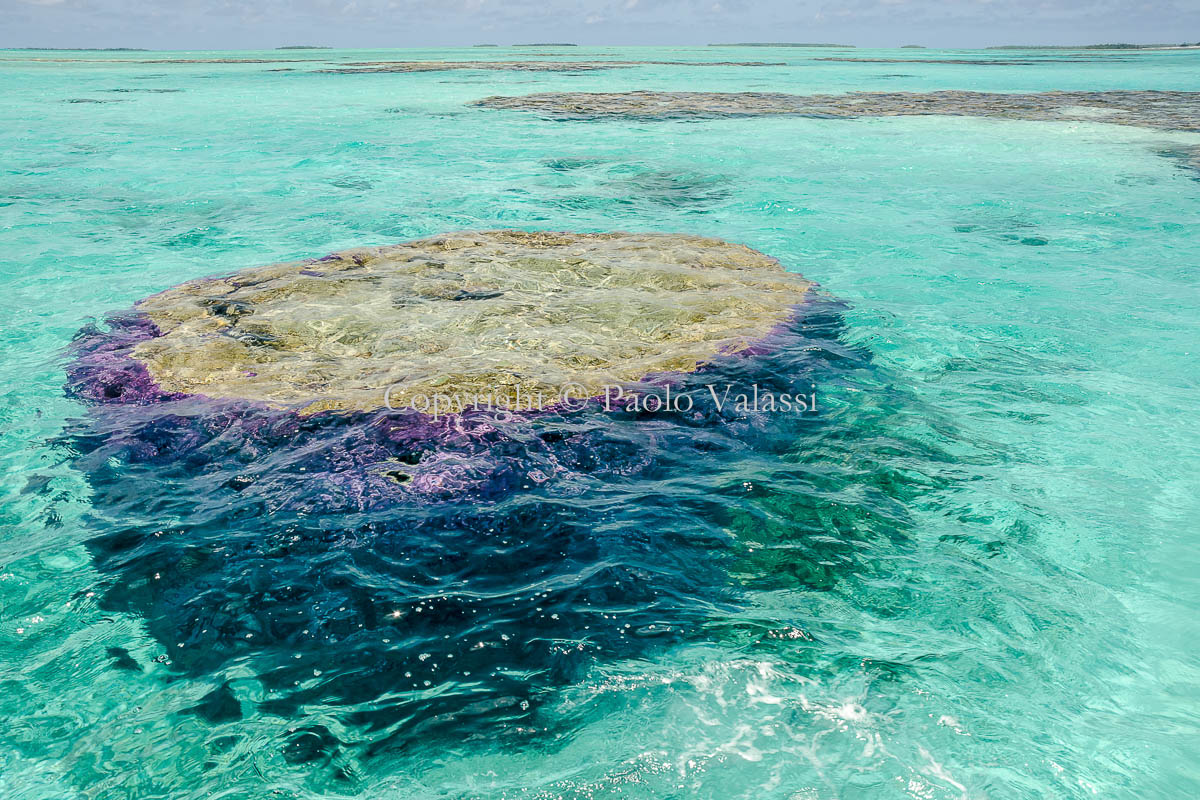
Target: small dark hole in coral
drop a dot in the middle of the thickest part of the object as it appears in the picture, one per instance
(255, 338)
(230, 309)
(398, 476)
(465, 295)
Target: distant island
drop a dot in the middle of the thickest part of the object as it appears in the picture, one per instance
(913, 47)
(777, 44)
(304, 47)
(83, 49)
(1117, 46)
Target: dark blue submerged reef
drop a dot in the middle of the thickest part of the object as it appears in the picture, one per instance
(428, 579)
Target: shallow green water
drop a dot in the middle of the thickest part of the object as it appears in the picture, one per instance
(1030, 288)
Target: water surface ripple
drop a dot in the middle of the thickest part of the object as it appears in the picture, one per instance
(971, 574)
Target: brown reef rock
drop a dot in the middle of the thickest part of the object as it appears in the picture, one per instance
(466, 314)
(1164, 110)
(354, 68)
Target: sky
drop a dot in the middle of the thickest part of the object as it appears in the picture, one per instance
(265, 24)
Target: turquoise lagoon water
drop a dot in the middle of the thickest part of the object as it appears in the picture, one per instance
(1027, 293)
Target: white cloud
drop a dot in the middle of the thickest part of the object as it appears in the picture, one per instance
(201, 24)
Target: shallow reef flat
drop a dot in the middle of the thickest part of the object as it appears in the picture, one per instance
(527, 66)
(1162, 110)
(981, 62)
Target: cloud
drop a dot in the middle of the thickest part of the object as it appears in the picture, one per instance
(205, 24)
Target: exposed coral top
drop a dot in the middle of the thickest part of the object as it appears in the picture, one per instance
(463, 314)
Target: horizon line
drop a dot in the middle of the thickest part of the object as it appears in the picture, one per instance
(557, 45)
